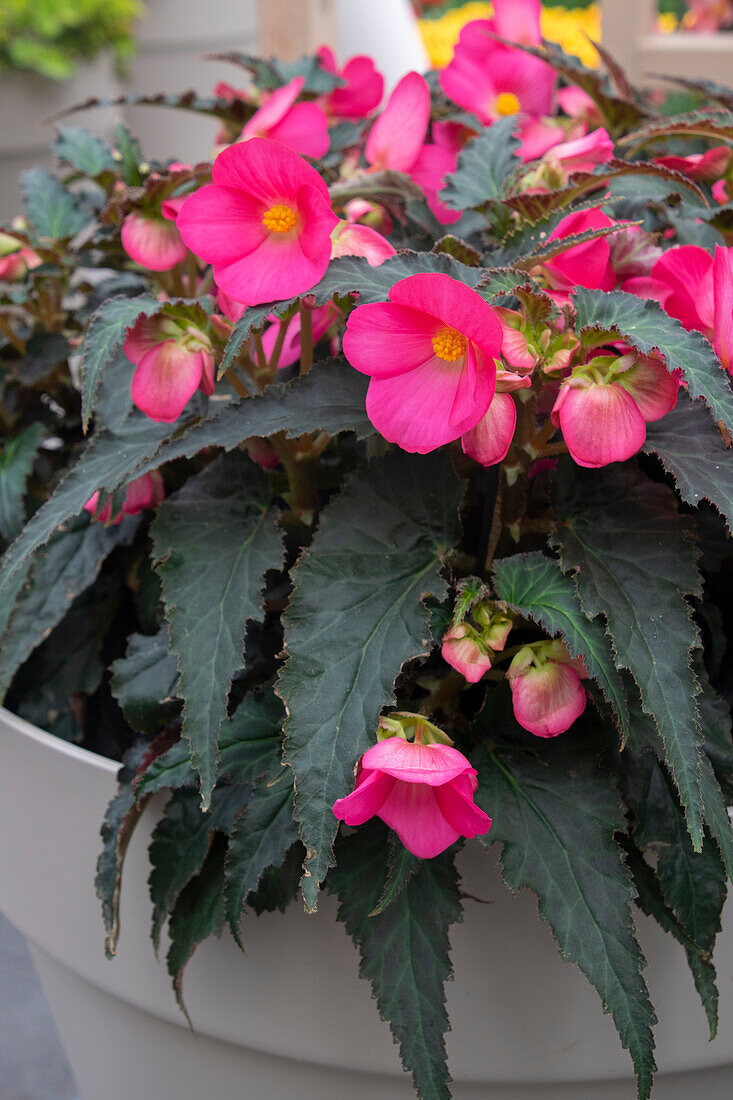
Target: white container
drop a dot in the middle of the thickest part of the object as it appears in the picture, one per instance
(293, 1019)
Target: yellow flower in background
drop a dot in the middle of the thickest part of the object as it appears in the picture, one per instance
(568, 28)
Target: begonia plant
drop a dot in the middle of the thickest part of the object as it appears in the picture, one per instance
(368, 490)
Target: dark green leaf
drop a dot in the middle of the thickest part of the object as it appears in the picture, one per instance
(634, 562)
(104, 336)
(212, 542)
(278, 885)
(199, 913)
(249, 746)
(692, 450)
(645, 325)
(52, 211)
(356, 615)
(714, 124)
(261, 837)
(59, 573)
(83, 151)
(535, 586)
(144, 682)
(556, 819)
(130, 155)
(16, 464)
(44, 351)
(180, 842)
(404, 950)
(483, 167)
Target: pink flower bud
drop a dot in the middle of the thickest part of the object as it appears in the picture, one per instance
(350, 239)
(547, 693)
(144, 492)
(463, 650)
(15, 259)
(152, 241)
(423, 792)
(173, 359)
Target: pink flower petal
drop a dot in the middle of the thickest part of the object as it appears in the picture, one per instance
(363, 92)
(372, 787)
(652, 386)
(152, 242)
(221, 224)
(266, 170)
(361, 240)
(433, 764)
(383, 339)
(429, 171)
(723, 303)
(317, 223)
(274, 110)
(398, 134)
(518, 20)
(412, 810)
(688, 271)
(304, 129)
(165, 379)
(460, 811)
(600, 424)
(490, 440)
(547, 700)
(453, 303)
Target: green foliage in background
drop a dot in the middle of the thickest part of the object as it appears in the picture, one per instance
(50, 37)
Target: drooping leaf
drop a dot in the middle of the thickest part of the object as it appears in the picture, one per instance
(16, 463)
(278, 885)
(180, 842)
(212, 542)
(62, 570)
(249, 746)
(356, 615)
(83, 151)
(144, 682)
(404, 949)
(53, 212)
(199, 913)
(104, 336)
(692, 450)
(261, 836)
(634, 563)
(556, 818)
(644, 324)
(717, 125)
(484, 165)
(536, 587)
(129, 155)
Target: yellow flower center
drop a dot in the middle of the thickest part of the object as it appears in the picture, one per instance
(449, 344)
(506, 104)
(279, 218)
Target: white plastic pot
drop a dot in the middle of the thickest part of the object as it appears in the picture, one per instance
(293, 1019)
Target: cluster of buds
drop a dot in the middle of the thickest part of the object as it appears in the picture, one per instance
(471, 641)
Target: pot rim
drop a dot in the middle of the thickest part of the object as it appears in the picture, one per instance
(58, 744)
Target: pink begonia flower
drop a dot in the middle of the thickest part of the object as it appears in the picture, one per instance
(463, 650)
(423, 792)
(708, 15)
(152, 241)
(723, 306)
(321, 319)
(578, 104)
(582, 154)
(634, 252)
(352, 239)
(603, 419)
(173, 359)
(547, 693)
(302, 127)
(265, 222)
(688, 271)
(506, 83)
(586, 264)
(144, 492)
(518, 20)
(489, 441)
(363, 89)
(431, 352)
(397, 141)
(359, 211)
(706, 166)
(15, 259)
(538, 136)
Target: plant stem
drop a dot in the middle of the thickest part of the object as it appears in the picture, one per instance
(306, 339)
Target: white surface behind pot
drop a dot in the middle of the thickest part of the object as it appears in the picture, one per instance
(520, 1015)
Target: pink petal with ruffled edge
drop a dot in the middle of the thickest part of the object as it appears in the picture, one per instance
(372, 787)
(153, 243)
(397, 136)
(547, 700)
(433, 764)
(723, 302)
(165, 379)
(489, 442)
(600, 424)
(652, 387)
(429, 171)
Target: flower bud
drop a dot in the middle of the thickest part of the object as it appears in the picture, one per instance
(465, 651)
(547, 693)
(144, 492)
(174, 358)
(152, 241)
